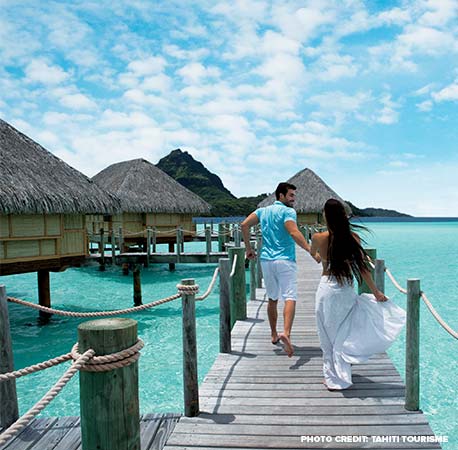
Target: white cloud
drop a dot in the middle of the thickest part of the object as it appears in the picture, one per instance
(147, 66)
(388, 114)
(77, 101)
(449, 93)
(425, 106)
(195, 73)
(38, 70)
(116, 119)
(439, 12)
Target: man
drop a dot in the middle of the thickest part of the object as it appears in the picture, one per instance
(278, 257)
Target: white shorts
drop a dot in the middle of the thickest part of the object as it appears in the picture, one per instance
(280, 279)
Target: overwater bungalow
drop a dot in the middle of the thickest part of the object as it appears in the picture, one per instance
(311, 195)
(149, 198)
(43, 207)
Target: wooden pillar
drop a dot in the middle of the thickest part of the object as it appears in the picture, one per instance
(154, 239)
(363, 287)
(179, 240)
(190, 383)
(110, 416)
(102, 250)
(253, 274)
(208, 241)
(9, 411)
(121, 241)
(44, 294)
(221, 236)
(379, 274)
(113, 248)
(258, 261)
(224, 306)
(413, 345)
(148, 246)
(137, 285)
(171, 250)
(125, 268)
(237, 236)
(238, 285)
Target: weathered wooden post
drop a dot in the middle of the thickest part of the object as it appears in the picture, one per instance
(221, 237)
(125, 268)
(172, 250)
(154, 239)
(237, 236)
(44, 294)
(190, 383)
(113, 248)
(224, 306)
(137, 285)
(258, 260)
(363, 287)
(110, 417)
(102, 250)
(253, 274)
(379, 274)
(121, 241)
(413, 345)
(178, 234)
(208, 242)
(238, 285)
(9, 411)
(148, 245)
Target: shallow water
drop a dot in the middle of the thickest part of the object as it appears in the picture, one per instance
(418, 250)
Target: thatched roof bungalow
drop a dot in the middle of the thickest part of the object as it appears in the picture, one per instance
(149, 198)
(311, 195)
(43, 203)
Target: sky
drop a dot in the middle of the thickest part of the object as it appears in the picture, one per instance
(364, 93)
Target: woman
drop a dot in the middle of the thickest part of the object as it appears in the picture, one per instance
(351, 327)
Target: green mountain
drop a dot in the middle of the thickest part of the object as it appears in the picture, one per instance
(192, 174)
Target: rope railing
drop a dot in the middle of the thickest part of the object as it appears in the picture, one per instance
(210, 287)
(170, 232)
(85, 362)
(425, 299)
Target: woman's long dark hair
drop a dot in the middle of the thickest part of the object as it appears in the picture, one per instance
(346, 258)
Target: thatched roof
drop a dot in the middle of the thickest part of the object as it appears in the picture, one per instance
(34, 181)
(311, 195)
(143, 187)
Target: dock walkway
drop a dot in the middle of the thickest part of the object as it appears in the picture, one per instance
(258, 398)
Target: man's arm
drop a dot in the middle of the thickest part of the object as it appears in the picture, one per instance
(249, 222)
(291, 228)
(315, 248)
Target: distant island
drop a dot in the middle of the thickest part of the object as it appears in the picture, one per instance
(192, 174)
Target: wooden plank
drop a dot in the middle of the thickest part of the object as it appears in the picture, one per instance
(57, 435)
(31, 434)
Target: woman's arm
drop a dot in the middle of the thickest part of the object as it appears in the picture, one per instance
(379, 295)
(314, 249)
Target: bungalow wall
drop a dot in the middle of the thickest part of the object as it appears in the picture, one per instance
(309, 218)
(33, 237)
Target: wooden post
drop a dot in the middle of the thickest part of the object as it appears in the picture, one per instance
(221, 236)
(258, 261)
(110, 416)
(137, 286)
(178, 245)
(224, 306)
(237, 236)
(154, 239)
(413, 345)
(363, 287)
(379, 275)
(121, 241)
(253, 274)
(190, 383)
(44, 294)
(148, 245)
(9, 411)
(208, 241)
(102, 250)
(113, 248)
(238, 285)
(125, 268)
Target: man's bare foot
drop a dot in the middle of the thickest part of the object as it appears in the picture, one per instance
(275, 338)
(287, 344)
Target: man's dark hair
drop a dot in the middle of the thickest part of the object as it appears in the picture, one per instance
(283, 188)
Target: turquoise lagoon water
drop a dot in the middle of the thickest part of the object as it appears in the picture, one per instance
(411, 250)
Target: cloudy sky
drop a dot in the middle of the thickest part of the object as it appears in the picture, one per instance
(365, 93)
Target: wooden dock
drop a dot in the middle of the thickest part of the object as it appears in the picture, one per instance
(64, 433)
(258, 398)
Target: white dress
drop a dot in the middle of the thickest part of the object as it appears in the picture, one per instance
(352, 328)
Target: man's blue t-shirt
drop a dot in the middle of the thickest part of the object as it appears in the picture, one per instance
(277, 243)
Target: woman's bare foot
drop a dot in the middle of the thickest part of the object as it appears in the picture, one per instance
(287, 344)
(275, 338)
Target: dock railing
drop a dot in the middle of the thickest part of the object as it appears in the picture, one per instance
(92, 354)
